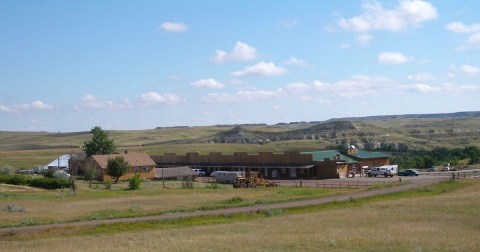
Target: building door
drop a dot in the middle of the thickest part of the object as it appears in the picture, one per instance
(293, 173)
(274, 173)
(265, 172)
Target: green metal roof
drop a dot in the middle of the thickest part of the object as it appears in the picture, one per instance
(331, 154)
(367, 154)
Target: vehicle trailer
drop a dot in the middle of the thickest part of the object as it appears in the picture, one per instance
(384, 170)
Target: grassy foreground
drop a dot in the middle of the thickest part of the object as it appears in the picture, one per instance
(24, 206)
(442, 217)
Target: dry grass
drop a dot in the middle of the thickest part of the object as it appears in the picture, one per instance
(445, 222)
(43, 206)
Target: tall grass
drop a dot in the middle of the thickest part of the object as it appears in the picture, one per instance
(419, 220)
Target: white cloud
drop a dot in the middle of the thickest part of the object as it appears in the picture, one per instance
(241, 96)
(364, 39)
(422, 77)
(419, 87)
(173, 27)
(289, 23)
(473, 40)
(241, 52)
(6, 109)
(392, 58)
(296, 62)
(93, 102)
(261, 69)
(408, 14)
(459, 27)
(36, 105)
(207, 83)
(357, 86)
(469, 69)
(297, 87)
(39, 105)
(152, 98)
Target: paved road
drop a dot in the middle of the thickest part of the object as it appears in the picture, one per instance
(417, 182)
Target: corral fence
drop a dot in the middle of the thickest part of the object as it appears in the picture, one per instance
(349, 184)
(470, 174)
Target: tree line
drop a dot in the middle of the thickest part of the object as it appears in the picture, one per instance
(436, 157)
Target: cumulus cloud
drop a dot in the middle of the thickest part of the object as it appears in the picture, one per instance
(241, 96)
(35, 105)
(407, 14)
(419, 87)
(92, 102)
(296, 62)
(297, 87)
(207, 83)
(392, 58)
(364, 39)
(469, 69)
(422, 77)
(152, 98)
(241, 52)
(357, 86)
(459, 27)
(173, 27)
(261, 69)
(473, 31)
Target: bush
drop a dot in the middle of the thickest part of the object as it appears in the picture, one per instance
(6, 170)
(50, 183)
(14, 179)
(46, 183)
(15, 208)
(134, 182)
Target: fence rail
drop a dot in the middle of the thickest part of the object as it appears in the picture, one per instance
(324, 184)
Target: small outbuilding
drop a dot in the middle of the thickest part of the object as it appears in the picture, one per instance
(61, 163)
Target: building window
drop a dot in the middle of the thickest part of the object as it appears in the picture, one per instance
(146, 169)
(135, 169)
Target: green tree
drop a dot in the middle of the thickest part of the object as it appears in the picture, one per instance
(117, 167)
(134, 182)
(100, 143)
(90, 173)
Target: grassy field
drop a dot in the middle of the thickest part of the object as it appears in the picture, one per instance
(42, 206)
(442, 217)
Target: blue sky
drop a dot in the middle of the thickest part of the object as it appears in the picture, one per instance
(72, 65)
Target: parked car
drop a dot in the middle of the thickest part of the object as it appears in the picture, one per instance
(199, 172)
(432, 169)
(446, 168)
(409, 172)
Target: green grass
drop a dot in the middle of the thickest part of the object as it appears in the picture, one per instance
(354, 205)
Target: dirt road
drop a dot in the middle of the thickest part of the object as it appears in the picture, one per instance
(415, 183)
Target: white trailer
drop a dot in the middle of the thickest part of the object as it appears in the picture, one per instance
(385, 170)
(227, 177)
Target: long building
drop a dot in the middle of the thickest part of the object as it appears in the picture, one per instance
(291, 164)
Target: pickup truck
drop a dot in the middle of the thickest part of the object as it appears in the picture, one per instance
(385, 170)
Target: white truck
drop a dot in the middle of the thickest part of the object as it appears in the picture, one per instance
(227, 177)
(385, 170)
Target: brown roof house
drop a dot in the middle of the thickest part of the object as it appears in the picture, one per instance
(138, 163)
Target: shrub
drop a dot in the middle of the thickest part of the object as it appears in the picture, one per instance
(14, 179)
(134, 182)
(46, 183)
(49, 183)
(6, 170)
(108, 184)
(15, 208)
